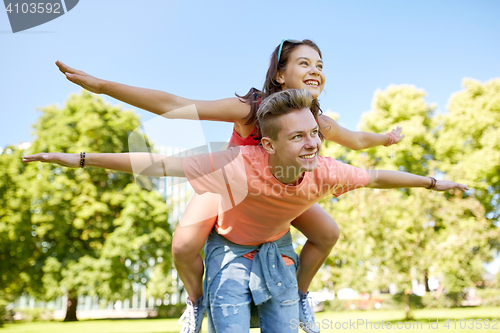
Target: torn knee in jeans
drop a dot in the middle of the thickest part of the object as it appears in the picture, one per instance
(228, 309)
(289, 302)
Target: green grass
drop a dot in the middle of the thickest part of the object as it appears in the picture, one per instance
(327, 320)
(419, 324)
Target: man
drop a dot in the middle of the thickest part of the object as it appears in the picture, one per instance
(249, 255)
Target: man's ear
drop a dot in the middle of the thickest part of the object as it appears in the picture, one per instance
(268, 145)
(280, 78)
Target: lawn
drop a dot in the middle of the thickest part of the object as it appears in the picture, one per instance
(358, 321)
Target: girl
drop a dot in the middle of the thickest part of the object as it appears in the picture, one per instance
(294, 65)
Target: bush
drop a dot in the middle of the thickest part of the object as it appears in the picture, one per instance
(351, 304)
(489, 297)
(488, 293)
(35, 314)
(3, 313)
(396, 302)
(6, 313)
(334, 305)
(449, 300)
(389, 302)
(170, 311)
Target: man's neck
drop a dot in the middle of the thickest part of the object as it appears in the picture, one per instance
(283, 174)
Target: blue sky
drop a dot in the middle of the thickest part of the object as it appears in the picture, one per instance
(212, 49)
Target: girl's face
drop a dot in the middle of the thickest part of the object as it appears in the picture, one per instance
(303, 71)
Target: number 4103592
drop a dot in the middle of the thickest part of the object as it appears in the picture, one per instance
(472, 324)
(32, 8)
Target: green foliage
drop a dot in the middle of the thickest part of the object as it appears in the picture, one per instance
(161, 282)
(34, 314)
(395, 236)
(487, 293)
(3, 312)
(404, 106)
(18, 248)
(170, 311)
(395, 302)
(335, 305)
(468, 141)
(448, 300)
(489, 297)
(78, 231)
(395, 240)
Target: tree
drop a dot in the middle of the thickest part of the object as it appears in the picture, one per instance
(18, 247)
(97, 231)
(390, 238)
(402, 105)
(468, 142)
(395, 236)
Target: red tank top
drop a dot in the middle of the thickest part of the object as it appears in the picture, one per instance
(237, 140)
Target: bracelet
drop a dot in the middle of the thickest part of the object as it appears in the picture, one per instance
(392, 139)
(82, 160)
(433, 183)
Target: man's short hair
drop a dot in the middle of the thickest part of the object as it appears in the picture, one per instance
(278, 104)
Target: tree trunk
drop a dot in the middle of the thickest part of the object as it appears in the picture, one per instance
(408, 313)
(71, 308)
(426, 280)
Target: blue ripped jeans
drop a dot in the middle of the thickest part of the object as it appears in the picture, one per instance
(230, 300)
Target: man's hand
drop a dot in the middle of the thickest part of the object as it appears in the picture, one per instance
(80, 78)
(67, 160)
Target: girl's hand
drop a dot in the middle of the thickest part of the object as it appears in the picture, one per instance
(80, 78)
(67, 160)
(397, 134)
(445, 185)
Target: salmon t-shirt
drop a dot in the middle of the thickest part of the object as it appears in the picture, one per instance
(255, 207)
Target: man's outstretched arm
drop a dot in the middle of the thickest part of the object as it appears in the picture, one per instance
(398, 179)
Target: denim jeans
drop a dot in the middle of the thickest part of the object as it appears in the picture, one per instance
(230, 301)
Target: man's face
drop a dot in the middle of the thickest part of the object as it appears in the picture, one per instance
(298, 144)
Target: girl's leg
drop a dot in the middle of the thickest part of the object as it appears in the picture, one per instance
(322, 233)
(188, 240)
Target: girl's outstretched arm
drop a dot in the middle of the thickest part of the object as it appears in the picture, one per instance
(152, 165)
(332, 131)
(158, 102)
